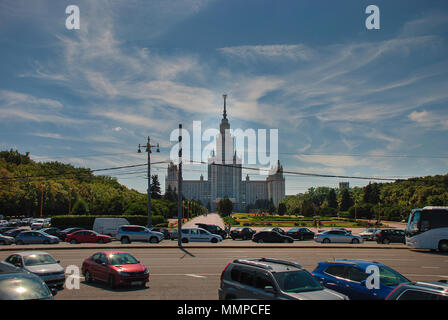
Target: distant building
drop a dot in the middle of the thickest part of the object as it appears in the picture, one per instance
(343, 185)
(225, 178)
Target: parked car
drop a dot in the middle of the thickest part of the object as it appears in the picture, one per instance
(244, 233)
(342, 229)
(3, 223)
(16, 284)
(337, 236)
(271, 237)
(420, 291)
(109, 226)
(13, 232)
(35, 237)
(38, 224)
(271, 279)
(368, 234)
(387, 236)
(87, 236)
(5, 240)
(6, 229)
(41, 264)
(166, 232)
(349, 277)
(199, 235)
(52, 231)
(115, 268)
(213, 229)
(129, 233)
(277, 229)
(14, 222)
(67, 231)
(300, 233)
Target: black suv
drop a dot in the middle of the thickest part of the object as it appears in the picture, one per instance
(420, 291)
(213, 229)
(271, 236)
(242, 233)
(271, 279)
(387, 236)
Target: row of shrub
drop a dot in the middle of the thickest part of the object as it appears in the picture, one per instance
(86, 221)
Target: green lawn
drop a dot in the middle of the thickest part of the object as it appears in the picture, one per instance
(252, 220)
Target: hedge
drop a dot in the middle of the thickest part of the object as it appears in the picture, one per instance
(84, 221)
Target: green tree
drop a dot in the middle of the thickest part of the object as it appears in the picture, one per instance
(346, 200)
(80, 207)
(281, 209)
(155, 187)
(224, 207)
(331, 198)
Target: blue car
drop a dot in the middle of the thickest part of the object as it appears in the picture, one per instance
(349, 277)
(35, 237)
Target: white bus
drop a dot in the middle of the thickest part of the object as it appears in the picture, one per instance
(428, 228)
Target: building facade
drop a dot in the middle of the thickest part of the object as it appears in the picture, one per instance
(224, 170)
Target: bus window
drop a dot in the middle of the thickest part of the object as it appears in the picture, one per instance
(414, 219)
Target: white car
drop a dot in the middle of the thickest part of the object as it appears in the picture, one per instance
(37, 224)
(199, 235)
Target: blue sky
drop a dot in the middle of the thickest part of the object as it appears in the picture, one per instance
(346, 100)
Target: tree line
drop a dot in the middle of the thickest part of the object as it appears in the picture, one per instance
(386, 201)
(61, 189)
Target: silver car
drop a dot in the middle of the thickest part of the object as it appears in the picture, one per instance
(129, 233)
(337, 236)
(41, 264)
(5, 240)
(271, 279)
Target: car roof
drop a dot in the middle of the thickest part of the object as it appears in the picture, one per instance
(361, 263)
(431, 285)
(30, 253)
(111, 252)
(275, 265)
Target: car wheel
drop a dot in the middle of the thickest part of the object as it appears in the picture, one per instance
(2, 242)
(111, 282)
(19, 242)
(355, 241)
(233, 238)
(386, 241)
(184, 240)
(301, 237)
(73, 241)
(125, 240)
(260, 241)
(214, 240)
(88, 276)
(285, 241)
(326, 240)
(46, 242)
(443, 246)
(101, 240)
(154, 240)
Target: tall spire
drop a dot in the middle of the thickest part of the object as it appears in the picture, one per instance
(225, 113)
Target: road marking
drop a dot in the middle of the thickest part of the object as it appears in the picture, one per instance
(194, 276)
(424, 267)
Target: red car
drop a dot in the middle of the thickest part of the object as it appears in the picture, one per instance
(86, 236)
(115, 268)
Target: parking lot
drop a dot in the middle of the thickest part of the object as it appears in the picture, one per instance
(193, 273)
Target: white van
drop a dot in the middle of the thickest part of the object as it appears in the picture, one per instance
(109, 226)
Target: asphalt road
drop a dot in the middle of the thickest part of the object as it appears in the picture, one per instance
(193, 274)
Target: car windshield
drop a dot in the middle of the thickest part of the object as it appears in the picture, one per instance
(121, 258)
(390, 277)
(23, 289)
(297, 281)
(38, 259)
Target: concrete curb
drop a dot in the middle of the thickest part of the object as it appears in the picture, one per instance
(106, 248)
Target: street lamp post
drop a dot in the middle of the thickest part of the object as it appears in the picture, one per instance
(148, 150)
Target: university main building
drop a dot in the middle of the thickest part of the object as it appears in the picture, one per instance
(225, 178)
